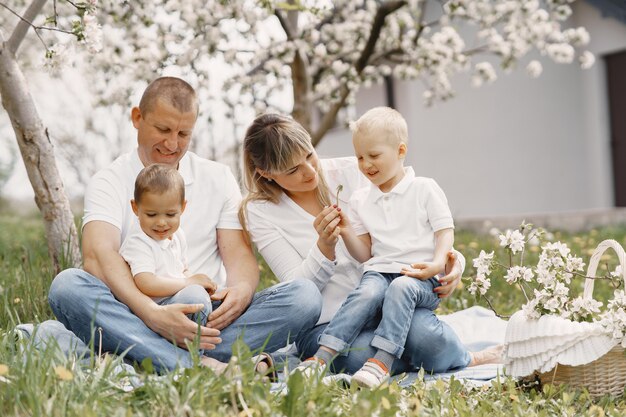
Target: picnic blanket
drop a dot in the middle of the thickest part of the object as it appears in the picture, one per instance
(477, 327)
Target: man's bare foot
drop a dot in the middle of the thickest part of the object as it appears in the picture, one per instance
(485, 356)
(217, 366)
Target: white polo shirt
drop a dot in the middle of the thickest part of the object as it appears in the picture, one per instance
(212, 195)
(165, 258)
(402, 222)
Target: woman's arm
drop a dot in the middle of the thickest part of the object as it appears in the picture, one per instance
(282, 256)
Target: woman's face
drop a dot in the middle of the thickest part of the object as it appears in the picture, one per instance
(302, 176)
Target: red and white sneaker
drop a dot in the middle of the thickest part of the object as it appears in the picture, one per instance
(311, 367)
(373, 374)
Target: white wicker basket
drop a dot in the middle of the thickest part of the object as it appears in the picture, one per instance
(560, 351)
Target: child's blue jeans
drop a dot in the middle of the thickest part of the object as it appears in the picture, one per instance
(397, 295)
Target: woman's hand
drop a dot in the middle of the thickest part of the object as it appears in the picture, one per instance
(326, 225)
(451, 280)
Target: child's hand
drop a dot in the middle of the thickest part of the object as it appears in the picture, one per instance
(204, 281)
(344, 221)
(423, 270)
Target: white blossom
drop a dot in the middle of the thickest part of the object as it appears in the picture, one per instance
(92, 33)
(586, 59)
(513, 240)
(562, 53)
(483, 263)
(484, 73)
(534, 68)
(517, 273)
(480, 284)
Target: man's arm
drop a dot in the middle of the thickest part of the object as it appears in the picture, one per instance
(101, 258)
(242, 278)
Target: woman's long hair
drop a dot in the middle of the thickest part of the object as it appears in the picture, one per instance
(273, 143)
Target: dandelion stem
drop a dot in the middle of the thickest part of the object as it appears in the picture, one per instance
(339, 189)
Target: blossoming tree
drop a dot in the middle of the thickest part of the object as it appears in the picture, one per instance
(325, 51)
(322, 51)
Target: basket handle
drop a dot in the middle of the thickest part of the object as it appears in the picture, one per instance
(595, 260)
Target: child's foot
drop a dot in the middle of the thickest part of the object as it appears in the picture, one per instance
(310, 367)
(373, 374)
(485, 356)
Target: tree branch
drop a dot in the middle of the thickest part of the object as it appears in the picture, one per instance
(329, 118)
(284, 24)
(385, 10)
(24, 24)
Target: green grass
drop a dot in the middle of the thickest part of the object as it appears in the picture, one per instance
(39, 382)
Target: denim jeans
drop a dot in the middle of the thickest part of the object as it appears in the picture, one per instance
(431, 344)
(275, 316)
(193, 294)
(396, 295)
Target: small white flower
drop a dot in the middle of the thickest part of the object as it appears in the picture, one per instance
(562, 53)
(512, 240)
(586, 59)
(618, 272)
(516, 273)
(534, 68)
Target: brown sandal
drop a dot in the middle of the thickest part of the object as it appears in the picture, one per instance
(264, 365)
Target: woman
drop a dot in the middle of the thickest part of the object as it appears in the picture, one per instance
(288, 214)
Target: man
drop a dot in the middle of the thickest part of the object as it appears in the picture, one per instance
(104, 295)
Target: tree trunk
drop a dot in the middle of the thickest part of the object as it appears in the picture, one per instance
(38, 155)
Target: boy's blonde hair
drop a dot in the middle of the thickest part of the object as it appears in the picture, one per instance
(158, 179)
(386, 122)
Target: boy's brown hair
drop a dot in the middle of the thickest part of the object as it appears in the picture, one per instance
(159, 178)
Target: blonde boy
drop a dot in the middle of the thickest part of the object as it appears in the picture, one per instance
(399, 220)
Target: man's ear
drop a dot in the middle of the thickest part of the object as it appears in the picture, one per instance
(402, 150)
(133, 204)
(135, 116)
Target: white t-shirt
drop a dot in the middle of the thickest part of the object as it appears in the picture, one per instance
(402, 222)
(284, 235)
(165, 258)
(212, 195)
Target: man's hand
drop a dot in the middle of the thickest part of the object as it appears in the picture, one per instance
(171, 322)
(451, 280)
(204, 281)
(235, 300)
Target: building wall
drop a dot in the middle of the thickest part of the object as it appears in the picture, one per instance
(520, 145)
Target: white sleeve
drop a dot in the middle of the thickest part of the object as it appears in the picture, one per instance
(103, 201)
(229, 218)
(138, 254)
(436, 205)
(283, 259)
(354, 217)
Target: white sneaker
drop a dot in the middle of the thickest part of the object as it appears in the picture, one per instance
(371, 375)
(310, 368)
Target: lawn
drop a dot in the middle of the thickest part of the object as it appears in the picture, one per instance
(37, 383)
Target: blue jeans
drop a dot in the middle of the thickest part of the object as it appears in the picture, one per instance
(431, 344)
(275, 316)
(396, 295)
(193, 294)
